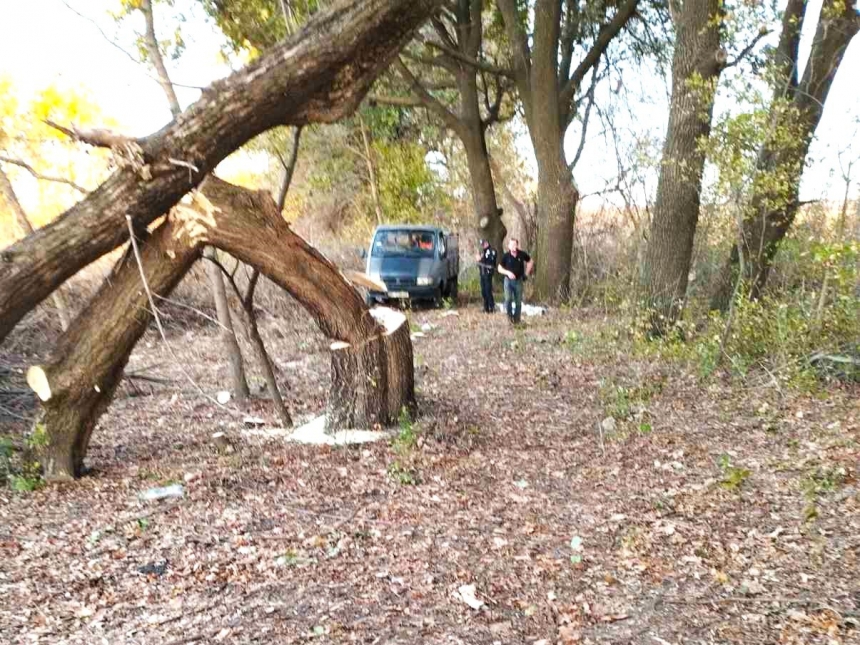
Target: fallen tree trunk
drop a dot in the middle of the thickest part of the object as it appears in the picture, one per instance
(372, 381)
(87, 363)
(318, 75)
(372, 369)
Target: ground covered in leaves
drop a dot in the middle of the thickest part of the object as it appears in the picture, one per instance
(552, 490)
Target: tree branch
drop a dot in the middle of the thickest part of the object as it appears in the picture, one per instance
(468, 60)
(764, 31)
(97, 137)
(395, 101)
(430, 102)
(289, 168)
(520, 46)
(607, 33)
(38, 175)
(585, 117)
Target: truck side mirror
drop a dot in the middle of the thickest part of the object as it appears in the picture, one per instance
(363, 254)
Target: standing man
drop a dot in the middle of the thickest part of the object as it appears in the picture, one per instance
(486, 259)
(515, 266)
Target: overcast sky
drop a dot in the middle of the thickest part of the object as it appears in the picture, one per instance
(44, 42)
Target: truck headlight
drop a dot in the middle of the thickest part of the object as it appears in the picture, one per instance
(424, 281)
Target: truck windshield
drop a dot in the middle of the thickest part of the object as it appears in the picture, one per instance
(403, 243)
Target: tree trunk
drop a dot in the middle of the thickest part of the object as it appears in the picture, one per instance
(397, 346)
(78, 384)
(235, 220)
(318, 75)
(87, 363)
(542, 67)
(225, 323)
(8, 192)
(373, 382)
(263, 358)
(371, 171)
(557, 197)
(488, 215)
(797, 108)
(669, 252)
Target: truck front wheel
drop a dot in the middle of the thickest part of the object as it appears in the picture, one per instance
(437, 297)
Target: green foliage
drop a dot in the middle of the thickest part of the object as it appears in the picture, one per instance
(402, 474)
(781, 333)
(404, 444)
(256, 25)
(625, 402)
(407, 437)
(19, 466)
(733, 476)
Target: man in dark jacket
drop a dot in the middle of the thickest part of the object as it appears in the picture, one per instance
(486, 259)
(515, 266)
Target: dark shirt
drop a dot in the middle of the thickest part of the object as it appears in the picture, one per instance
(488, 261)
(517, 265)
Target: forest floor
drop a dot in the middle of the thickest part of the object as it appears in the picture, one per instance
(713, 511)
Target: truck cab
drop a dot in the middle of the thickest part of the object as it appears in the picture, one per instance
(414, 262)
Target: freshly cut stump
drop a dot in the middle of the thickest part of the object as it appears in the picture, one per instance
(372, 381)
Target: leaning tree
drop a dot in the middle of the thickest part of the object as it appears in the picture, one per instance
(318, 75)
(795, 112)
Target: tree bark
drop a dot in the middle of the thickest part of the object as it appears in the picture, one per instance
(557, 198)
(364, 363)
(8, 192)
(88, 360)
(797, 106)
(317, 75)
(697, 57)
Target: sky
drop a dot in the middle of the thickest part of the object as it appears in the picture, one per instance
(46, 42)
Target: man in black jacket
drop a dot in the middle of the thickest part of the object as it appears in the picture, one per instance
(486, 259)
(515, 266)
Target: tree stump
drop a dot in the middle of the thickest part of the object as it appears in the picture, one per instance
(372, 381)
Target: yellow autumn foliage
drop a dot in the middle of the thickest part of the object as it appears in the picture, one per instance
(25, 136)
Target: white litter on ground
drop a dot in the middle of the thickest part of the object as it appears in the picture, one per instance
(527, 310)
(314, 432)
